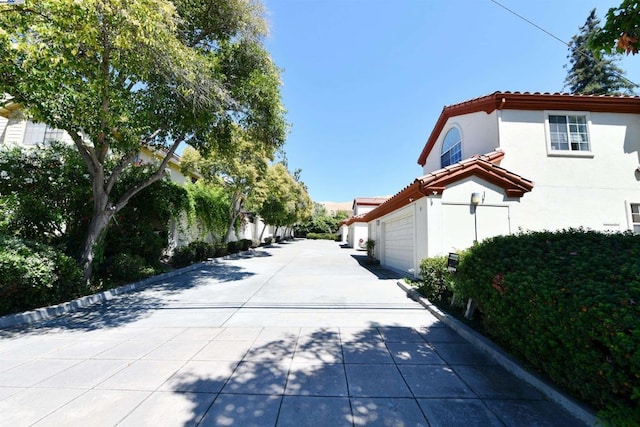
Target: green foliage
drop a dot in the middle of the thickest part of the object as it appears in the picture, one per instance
(35, 275)
(371, 246)
(590, 74)
(44, 195)
(141, 227)
(268, 240)
(193, 252)
(136, 74)
(319, 222)
(568, 304)
(280, 199)
(436, 283)
(233, 247)
(245, 244)
(126, 267)
(322, 236)
(210, 206)
(621, 31)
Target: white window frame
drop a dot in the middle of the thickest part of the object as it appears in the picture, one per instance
(568, 153)
(633, 225)
(460, 143)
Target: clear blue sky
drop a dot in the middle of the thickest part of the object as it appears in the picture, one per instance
(364, 81)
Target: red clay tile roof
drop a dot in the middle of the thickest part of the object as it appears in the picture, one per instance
(483, 166)
(530, 101)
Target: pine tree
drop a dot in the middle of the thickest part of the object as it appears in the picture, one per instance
(588, 74)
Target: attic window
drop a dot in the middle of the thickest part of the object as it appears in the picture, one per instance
(451, 148)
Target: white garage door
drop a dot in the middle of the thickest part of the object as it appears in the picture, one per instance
(398, 243)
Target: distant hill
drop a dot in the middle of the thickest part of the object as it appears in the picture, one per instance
(333, 207)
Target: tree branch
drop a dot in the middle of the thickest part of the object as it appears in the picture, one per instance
(153, 178)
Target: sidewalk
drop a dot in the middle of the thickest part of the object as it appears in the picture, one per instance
(299, 334)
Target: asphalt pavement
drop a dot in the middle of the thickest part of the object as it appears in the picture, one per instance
(297, 334)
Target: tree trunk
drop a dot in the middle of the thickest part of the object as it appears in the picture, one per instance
(263, 229)
(236, 206)
(97, 227)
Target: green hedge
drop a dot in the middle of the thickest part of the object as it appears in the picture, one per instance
(322, 236)
(193, 252)
(567, 303)
(35, 275)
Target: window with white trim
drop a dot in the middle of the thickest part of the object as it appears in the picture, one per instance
(635, 217)
(569, 132)
(451, 148)
(52, 134)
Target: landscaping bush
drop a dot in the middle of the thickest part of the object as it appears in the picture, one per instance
(322, 236)
(220, 250)
(233, 247)
(35, 275)
(193, 252)
(255, 243)
(124, 267)
(245, 244)
(436, 284)
(567, 303)
(268, 240)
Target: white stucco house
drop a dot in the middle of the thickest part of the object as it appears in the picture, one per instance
(515, 161)
(355, 228)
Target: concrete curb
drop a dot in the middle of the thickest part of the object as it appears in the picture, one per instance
(46, 313)
(499, 355)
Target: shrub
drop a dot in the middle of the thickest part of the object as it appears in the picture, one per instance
(195, 251)
(245, 244)
(321, 236)
(566, 303)
(35, 275)
(183, 256)
(221, 250)
(233, 247)
(437, 283)
(268, 240)
(124, 267)
(255, 243)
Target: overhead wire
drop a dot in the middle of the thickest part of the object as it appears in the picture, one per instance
(579, 50)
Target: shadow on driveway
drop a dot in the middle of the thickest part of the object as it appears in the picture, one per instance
(132, 306)
(380, 272)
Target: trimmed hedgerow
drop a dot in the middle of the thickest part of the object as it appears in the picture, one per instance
(35, 275)
(322, 236)
(567, 303)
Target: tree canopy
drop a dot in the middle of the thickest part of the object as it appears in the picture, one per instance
(590, 74)
(117, 76)
(621, 31)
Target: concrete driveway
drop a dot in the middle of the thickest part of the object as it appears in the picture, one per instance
(297, 334)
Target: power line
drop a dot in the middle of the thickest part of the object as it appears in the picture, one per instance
(579, 50)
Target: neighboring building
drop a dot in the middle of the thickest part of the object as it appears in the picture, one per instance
(515, 161)
(355, 228)
(16, 131)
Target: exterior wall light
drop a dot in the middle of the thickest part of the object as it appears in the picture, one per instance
(475, 199)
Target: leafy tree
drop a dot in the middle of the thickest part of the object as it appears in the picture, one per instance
(590, 74)
(621, 31)
(281, 200)
(117, 76)
(237, 169)
(320, 221)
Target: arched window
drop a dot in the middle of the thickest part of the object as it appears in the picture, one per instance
(451, 148)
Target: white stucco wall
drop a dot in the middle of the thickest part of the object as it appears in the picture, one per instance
(479, 133)
(357, 231)
(570, 191)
